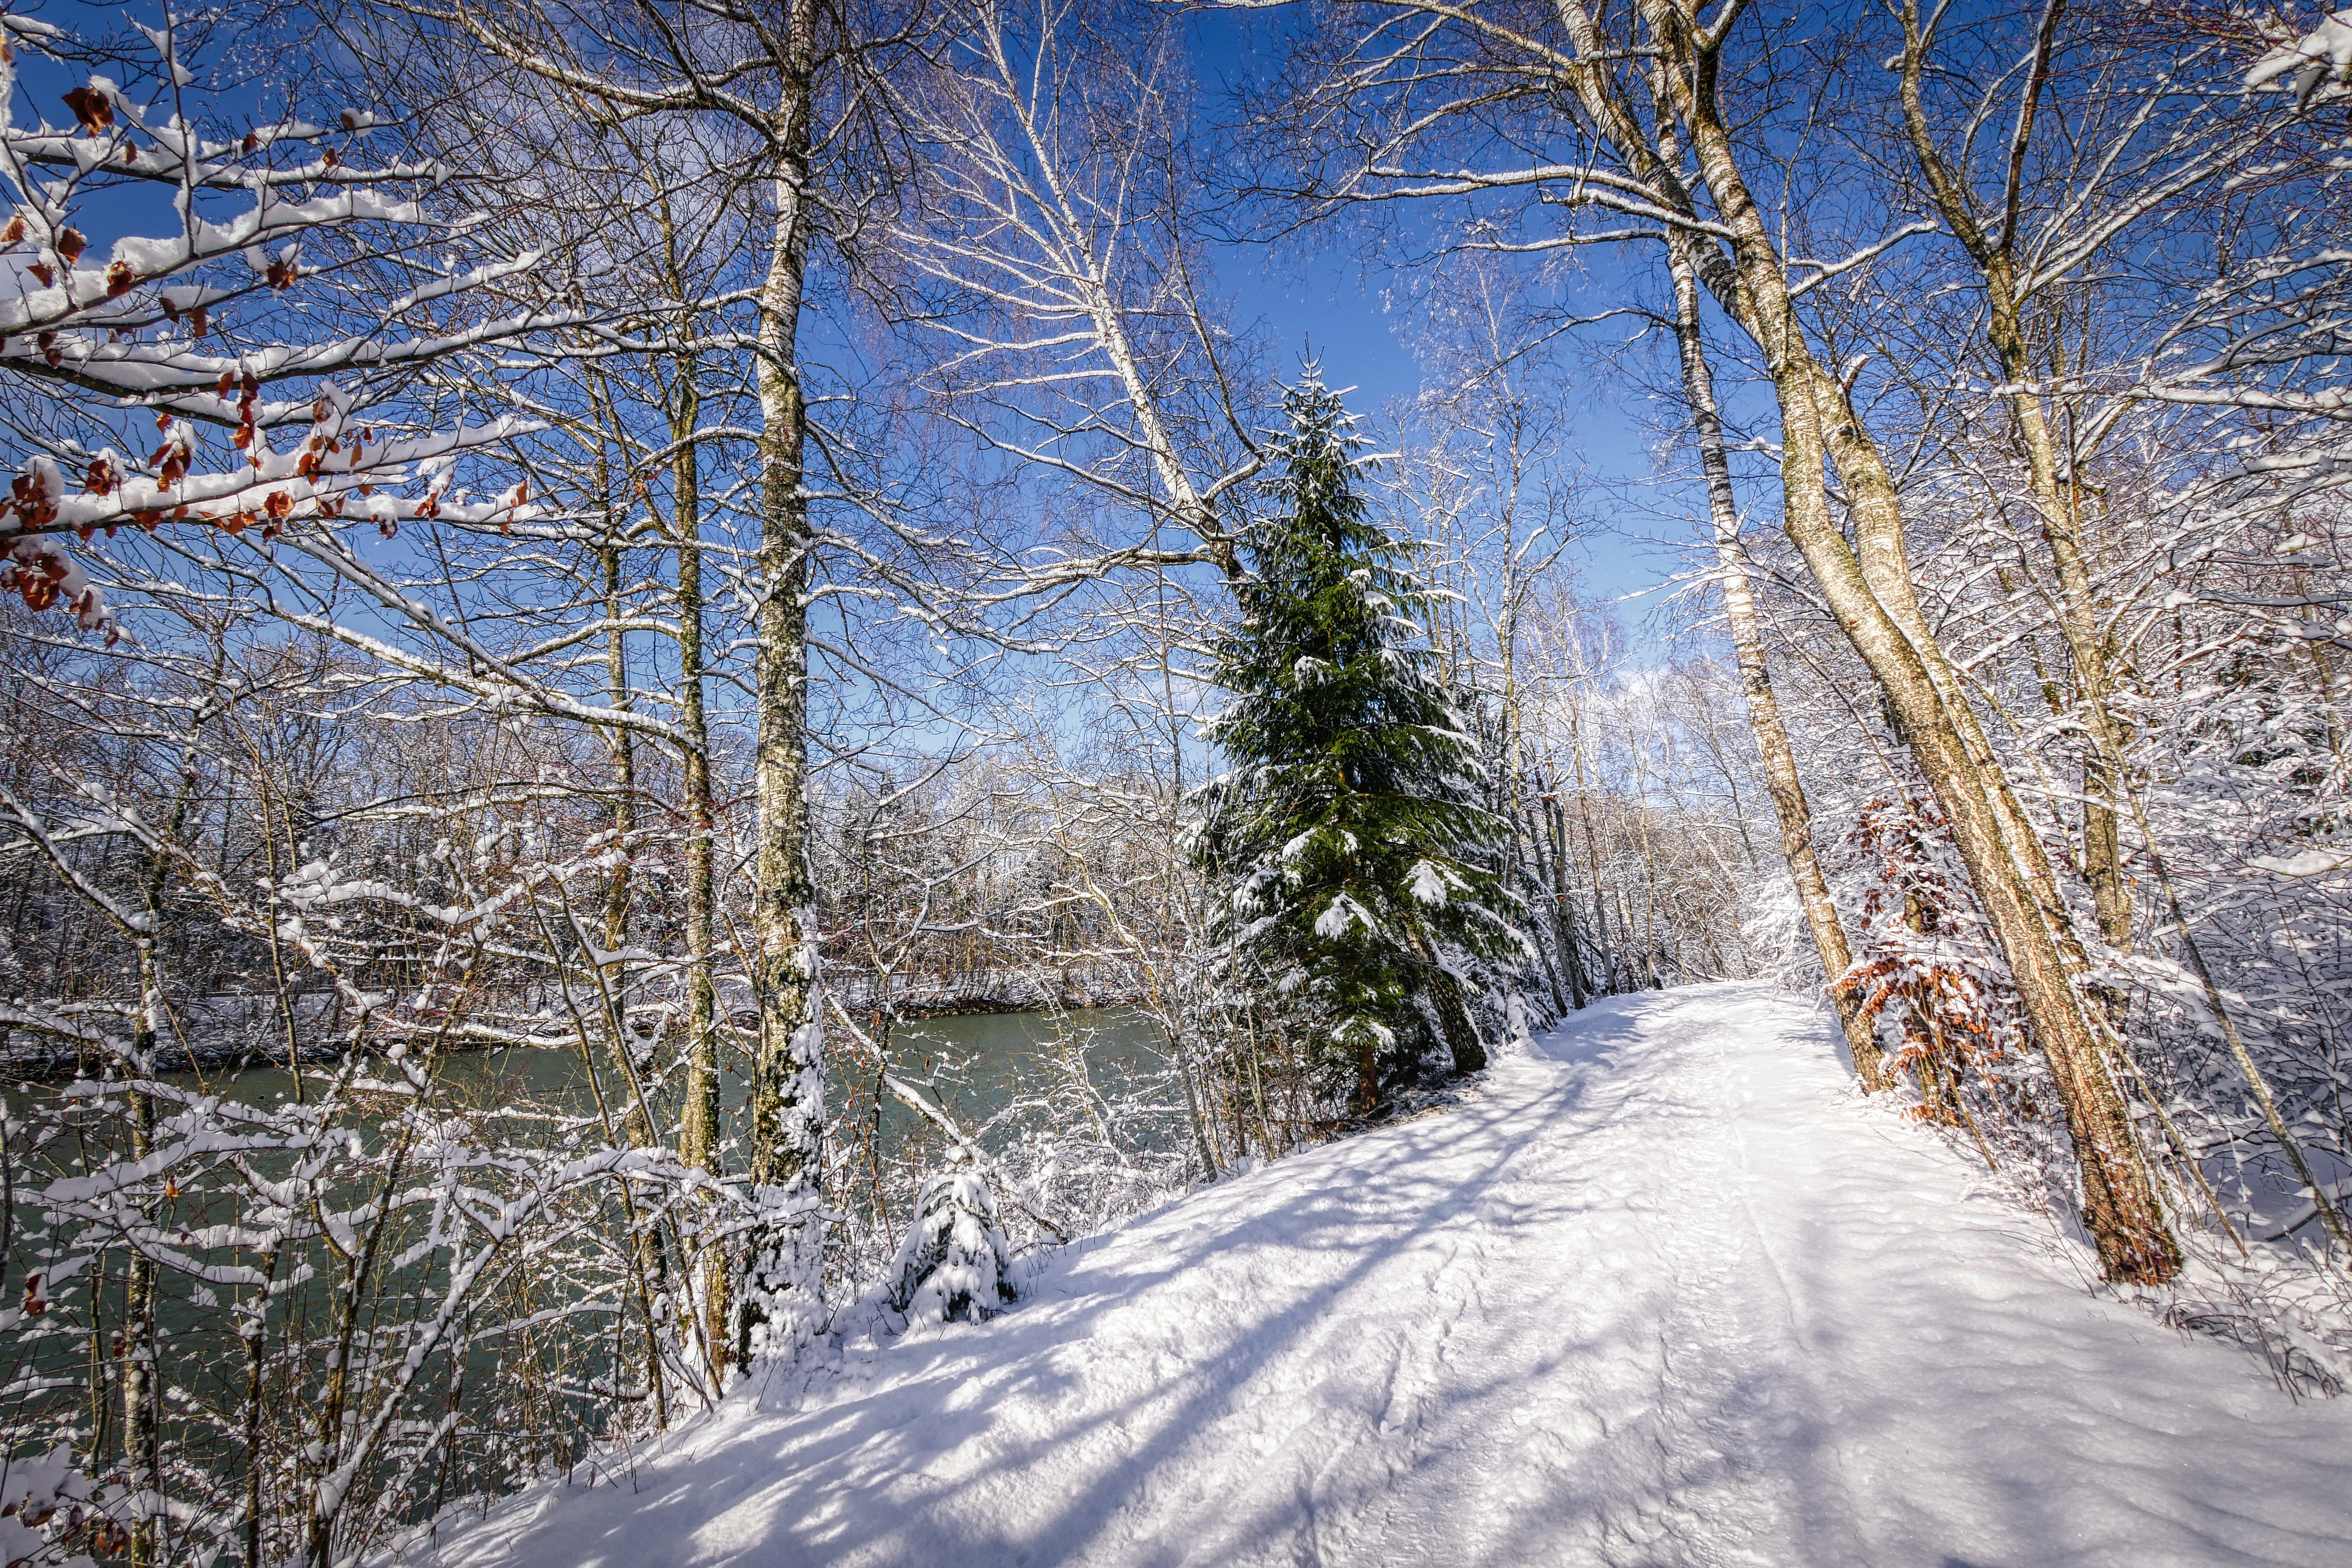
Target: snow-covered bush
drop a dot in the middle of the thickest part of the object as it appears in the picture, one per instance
(955, 1265)
(1927, 971)
(385, 1286)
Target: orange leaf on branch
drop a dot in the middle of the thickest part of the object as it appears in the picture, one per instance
(93, 110)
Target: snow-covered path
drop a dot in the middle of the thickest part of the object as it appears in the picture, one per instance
(1666, 1292)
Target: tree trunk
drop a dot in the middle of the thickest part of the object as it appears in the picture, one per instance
(1551, 876)
(698, 1133)
(780, 1299)
(2056, 503)
(1469, 1052)
(141, 1427)
(617, 892)
(1536, 877)
(1368, 1075)
(142, 1435)
(652, 1268)
(1564, 903)
(1454, 1021)
(1780, 777)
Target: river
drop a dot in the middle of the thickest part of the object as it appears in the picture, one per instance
(972, 1065)
(65, 1378)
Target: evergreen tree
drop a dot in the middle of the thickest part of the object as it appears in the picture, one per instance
(1355, 870)
(955, 1264)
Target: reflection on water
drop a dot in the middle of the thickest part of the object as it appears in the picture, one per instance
(980, 1063)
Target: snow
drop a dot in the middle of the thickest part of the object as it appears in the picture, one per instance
(2310, 863)
(2320, 56)
(1341, 914)
(1663, 1290)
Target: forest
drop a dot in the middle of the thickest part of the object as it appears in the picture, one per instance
(581, 578)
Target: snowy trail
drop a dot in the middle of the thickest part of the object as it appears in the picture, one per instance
(1664, 1292)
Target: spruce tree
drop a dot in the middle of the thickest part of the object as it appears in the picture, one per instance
(1355, 868)
(955, 1265)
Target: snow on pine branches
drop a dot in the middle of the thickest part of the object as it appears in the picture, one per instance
(955, 1264)
(1357, 869)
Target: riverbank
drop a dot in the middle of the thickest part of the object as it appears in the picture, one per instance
(233, 1032)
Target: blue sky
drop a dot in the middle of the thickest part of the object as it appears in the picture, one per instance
(1329, 302)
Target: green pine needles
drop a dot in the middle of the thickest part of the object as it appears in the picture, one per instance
(1355, 870)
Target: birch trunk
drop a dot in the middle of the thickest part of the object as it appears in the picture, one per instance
(1523, 821)
(1780, 777)
(1563, 901)
(779, 1297)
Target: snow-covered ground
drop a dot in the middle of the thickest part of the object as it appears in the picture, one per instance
(1665, 1291)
